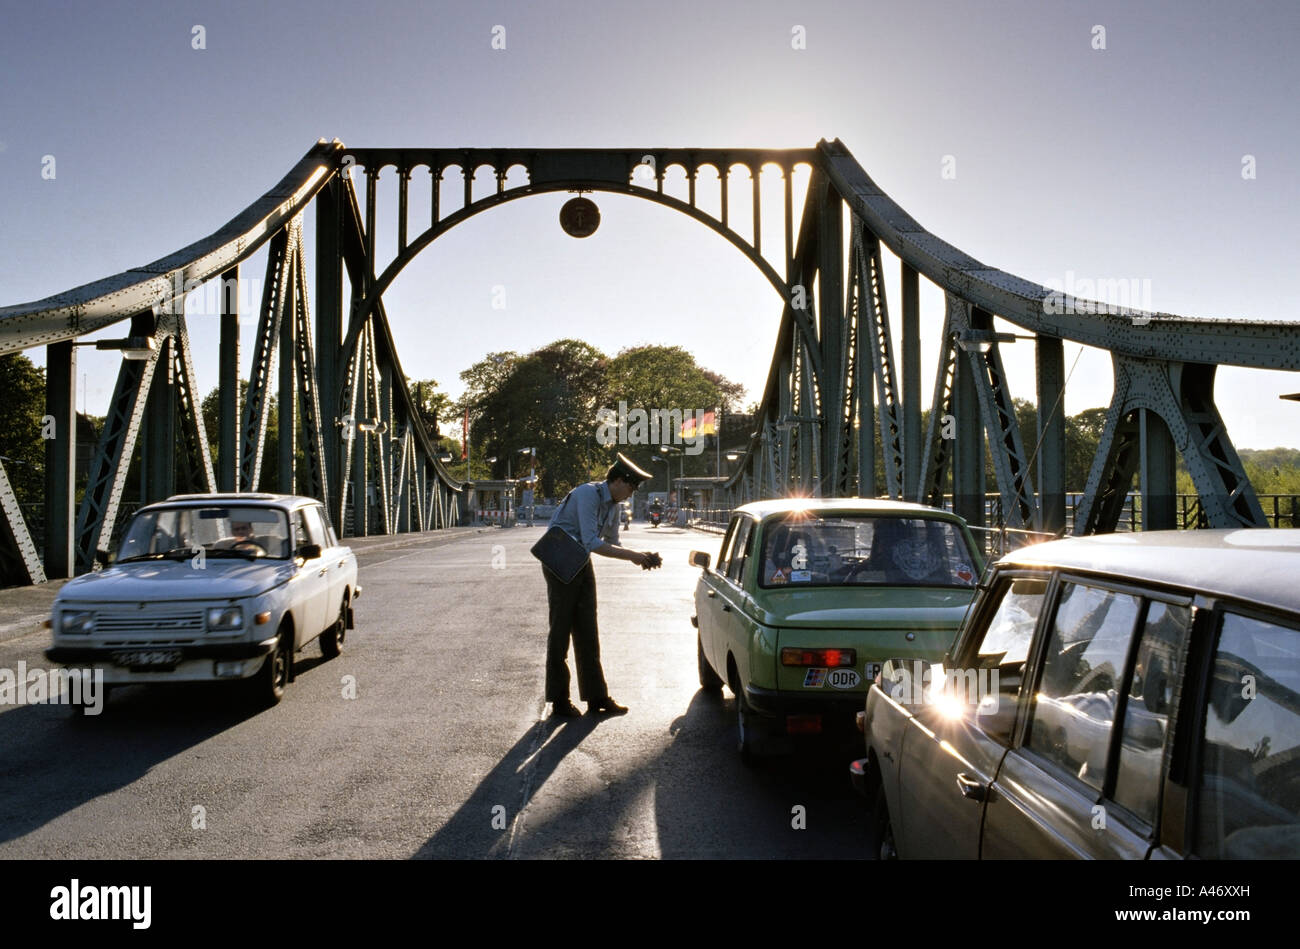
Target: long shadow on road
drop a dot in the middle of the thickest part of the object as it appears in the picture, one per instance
(477, 829)
(706, 803)
(54, 762)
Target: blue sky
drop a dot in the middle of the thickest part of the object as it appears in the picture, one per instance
(1116, 163)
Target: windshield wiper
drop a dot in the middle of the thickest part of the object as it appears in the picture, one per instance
(232, 552)
(157, 556)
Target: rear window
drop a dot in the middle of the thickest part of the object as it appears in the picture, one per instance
(866, 550)
(1249, 803)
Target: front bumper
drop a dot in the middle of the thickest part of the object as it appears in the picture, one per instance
(198, 663)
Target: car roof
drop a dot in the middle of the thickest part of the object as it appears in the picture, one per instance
(1258, 564)
(762, 509)
(237, 497)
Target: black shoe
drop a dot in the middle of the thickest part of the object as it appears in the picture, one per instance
(606, 706)
(565, 709)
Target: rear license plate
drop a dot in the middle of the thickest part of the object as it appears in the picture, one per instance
(870, 671)
(148, 658)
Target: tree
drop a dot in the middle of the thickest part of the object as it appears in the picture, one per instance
(431, 405)
(211, 409)
(668, 378)
(547, 400)
(21, 410)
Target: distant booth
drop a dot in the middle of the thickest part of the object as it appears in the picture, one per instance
(697, 495)
(491, 502)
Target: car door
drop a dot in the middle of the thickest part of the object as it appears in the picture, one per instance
(333, 558)
(708, 606)
(311, 585)
(1085, 776)
(735, 627)
(951, 750)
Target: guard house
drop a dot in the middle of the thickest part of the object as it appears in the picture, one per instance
(698, 494)
(491, 502)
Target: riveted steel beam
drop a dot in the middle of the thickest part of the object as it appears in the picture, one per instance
(18, 556)
(194, 435)
(997, 410)
(941, 431)
(316, 475)
(60, 460)
(228, 386)
(1049, 458)
(98, 511)
(881, 347)
(257, 402)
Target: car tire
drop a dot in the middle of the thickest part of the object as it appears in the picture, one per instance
(272, 679)
(710, 681)
(331, 641)
(748, 730)
(880, 841)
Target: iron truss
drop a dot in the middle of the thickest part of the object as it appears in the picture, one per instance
(835, 395)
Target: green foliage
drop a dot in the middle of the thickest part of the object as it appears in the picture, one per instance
(21, 409)
(433, 407)
(211, 409)
(550, 399)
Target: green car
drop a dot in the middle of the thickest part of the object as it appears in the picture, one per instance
(809, 596)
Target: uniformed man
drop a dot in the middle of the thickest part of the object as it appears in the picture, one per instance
(590, 516)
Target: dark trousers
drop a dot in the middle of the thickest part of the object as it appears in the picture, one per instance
(573, 613)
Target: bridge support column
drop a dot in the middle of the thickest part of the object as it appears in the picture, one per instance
(288, 398)
(60, 459)
(228, 384)
(1158, 468)
(329, 336)
(968, 450)
(911, 382)
(159, 479)
(1050, 459)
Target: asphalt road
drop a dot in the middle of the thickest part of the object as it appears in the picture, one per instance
(444, 751)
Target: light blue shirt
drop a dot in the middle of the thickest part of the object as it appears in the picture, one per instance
(589, 515)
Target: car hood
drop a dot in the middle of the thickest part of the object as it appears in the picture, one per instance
(864, 608)
(177, 580)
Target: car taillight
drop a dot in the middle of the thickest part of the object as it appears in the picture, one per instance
(830, 658)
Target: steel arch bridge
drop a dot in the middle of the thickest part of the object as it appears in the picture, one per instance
(834, 379)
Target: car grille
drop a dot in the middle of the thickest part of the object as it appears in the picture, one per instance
(148, 627)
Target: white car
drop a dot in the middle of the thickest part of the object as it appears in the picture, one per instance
(211, 587)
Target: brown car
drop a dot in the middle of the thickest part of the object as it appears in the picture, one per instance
(1119, 696)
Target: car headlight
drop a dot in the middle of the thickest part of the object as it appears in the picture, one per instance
(77, 622)
(225, 618)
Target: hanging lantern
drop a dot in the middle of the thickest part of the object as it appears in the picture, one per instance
(579, 217)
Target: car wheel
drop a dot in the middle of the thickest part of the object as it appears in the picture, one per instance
(331, 641)
(881, 841)
(270, 682)
(710, 681)
(748, 730)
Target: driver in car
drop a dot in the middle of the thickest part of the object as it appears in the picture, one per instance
(242, 532)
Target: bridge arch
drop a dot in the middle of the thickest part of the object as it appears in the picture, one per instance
(374, 291)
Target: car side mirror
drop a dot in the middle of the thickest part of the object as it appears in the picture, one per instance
(309, 551)
(699, 558)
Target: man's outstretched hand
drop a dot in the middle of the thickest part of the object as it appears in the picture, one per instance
(650, 561)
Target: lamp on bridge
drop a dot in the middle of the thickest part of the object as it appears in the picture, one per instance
(981, 341)
(131, 347)
(788, 423)
(374, 425)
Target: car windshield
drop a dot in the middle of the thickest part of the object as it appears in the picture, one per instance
(234, 531)
(804, 549)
